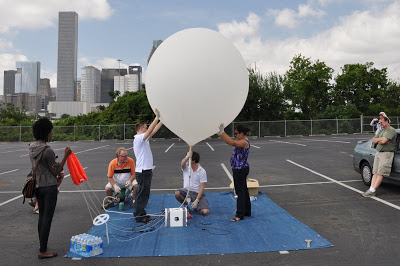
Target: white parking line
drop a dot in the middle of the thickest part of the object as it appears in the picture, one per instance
(227, 172)
(92, 149)
(13, 151)
(289, 143)
(321, 140)
(53, 150)
(169, 147)
(210, 146)
(344, 185)
(9, 171)
(255, 146)
(17, 197)
(311, 183)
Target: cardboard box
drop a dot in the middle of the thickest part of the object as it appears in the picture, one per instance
(252, 186)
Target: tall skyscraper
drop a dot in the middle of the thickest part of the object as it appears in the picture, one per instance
(156, 43)
(136, 80)
(90, 84)
(9, 82)
(67, 56)
(27, 78)
(107, 82)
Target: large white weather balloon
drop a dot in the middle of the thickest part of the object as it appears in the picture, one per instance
(197, 79)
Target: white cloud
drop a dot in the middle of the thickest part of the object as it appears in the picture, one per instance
(291, 19)
(106, 62)
(49, 74)
(7, 62)
(240, 29)
(369, 36)
(28, 14)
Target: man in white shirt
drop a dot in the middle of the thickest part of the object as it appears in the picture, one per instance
(144, 165)
(198, 179)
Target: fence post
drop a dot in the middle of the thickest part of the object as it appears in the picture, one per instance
(20, 132)
(124, 130)
(259, 129)
(311, 125)
(337, 126)
(285, 128)
(99, 132)
(74, 132)
(397, 122)
(361, 118)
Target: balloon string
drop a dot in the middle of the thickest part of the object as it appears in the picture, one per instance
(190, 174)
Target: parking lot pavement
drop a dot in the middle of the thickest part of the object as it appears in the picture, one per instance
(310, 177)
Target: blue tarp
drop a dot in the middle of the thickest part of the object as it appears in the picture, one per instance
(270, 228)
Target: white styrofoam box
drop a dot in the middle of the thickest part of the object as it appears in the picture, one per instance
(175, 217)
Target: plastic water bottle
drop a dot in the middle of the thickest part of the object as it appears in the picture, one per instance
(72, 244)
(78, 245)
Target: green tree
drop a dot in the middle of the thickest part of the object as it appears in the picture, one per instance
(114, 94)
(361, 85)
(307, 86)
(13, 116)
(64, 116)
(265, 100)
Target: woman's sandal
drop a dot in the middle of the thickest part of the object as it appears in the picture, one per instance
(35, 211)
(235, 219)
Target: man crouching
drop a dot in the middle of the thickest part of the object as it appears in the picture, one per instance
(198, 179)
(121, 174)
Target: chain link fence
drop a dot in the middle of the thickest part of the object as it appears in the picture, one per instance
(282, 128)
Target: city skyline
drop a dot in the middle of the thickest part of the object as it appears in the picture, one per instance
(268, 34)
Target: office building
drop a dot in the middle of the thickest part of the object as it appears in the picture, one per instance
(44, 87)
(58, 108)
(135, 83)
(78, 90)
(107, 82)
(126, 83)
(156, 43)
(9, 82)
(30, 103)
(90, 84)
(67, 56)
(27, 77)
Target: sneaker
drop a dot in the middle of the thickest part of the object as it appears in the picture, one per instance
(369, 193)
(109, 204)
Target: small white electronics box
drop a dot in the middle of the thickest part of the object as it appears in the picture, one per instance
(175, 217)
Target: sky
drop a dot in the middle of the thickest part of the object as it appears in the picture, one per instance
(268, 34)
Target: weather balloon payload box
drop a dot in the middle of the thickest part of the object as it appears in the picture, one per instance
(175, 217)
(252, 185)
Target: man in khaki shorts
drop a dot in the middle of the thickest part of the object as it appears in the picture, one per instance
(386, 144)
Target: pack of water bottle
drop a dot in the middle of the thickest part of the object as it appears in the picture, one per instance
(86, 245)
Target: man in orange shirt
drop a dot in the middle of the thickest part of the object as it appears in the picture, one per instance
(121, 174)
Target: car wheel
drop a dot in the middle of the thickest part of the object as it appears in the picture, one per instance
(366, 173)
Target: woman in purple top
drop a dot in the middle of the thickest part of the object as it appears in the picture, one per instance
(240, 168)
